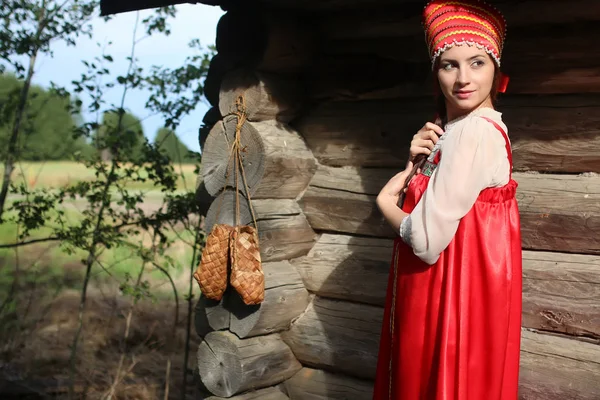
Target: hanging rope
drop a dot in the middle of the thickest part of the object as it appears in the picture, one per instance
(235, 153)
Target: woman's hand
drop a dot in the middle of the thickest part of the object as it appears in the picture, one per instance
(390, 193)
(387, 200)
(424, 140)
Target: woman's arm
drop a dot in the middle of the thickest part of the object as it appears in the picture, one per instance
(471, 157)
(388, 198)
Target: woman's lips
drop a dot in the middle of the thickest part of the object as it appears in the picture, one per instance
(464, 94)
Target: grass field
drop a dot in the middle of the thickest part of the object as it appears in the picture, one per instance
(37, 326)
(56, 174)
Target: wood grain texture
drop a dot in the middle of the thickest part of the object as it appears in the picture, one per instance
(557, 368)
(561, 293)
(211, 315)
(560, 212)
(228, 365)
(220, 169)
(546, 131)
(272, 393)
(405, 19)
(267, 96)
(337, 335)
(276, 161)
(285, 299)
(284, 232)
(315, 384)
(573, 67)
(347, 268)
(289, 163)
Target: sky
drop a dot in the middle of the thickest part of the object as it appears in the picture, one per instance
(192, 21)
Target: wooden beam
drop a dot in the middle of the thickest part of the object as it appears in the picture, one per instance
(276, 160)
(347, 268)
(338, 336)
(285, 299)
(316, 384)
(405, 65)
(560, 212)
(546, 131)
(108, 7)
(267, 96)
(557, 368)
(337, 202)
(283, 230)
(228, 365)
(405, 19)
(271, 393)
(559, 290)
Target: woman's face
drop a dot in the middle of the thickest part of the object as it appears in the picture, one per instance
(466, 76)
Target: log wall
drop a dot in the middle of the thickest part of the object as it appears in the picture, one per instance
(334, 113)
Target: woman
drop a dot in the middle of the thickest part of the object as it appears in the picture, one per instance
(452, 318)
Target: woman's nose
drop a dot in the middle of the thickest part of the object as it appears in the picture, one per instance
(463, 76)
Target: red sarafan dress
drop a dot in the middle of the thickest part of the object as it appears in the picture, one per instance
(451, 331)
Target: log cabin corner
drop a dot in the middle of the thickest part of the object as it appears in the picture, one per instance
(334, 91)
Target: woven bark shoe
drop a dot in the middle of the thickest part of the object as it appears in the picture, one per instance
(247, 276)
(211, 274)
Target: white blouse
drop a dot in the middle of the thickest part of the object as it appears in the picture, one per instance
(473, 158)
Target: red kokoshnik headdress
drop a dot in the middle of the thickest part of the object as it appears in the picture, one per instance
(455, 23)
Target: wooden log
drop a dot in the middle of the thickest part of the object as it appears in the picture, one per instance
(228, 365)
(211, 315)
(212, 117)
(267, 41)
(574, 69)
(369, 134)
(560, 212)
(546, 131)
(203, 198)
(561, 292)
(285, 299)
(216, 72)
(284, 232)
(272, 393)
(338, 336)
(290, 44)
(337, 202)
(313, 6)
(343, 200)
(267, 96)
(557, 368)
(277, 162)
(405, 20)
(347, 268)
(315, 384)
(219, 167)
(371, 76)
(241, 36)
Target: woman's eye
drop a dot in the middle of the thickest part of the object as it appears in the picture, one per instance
(478, 63)
(447, 66)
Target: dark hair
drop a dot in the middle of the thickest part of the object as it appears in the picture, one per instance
(442, 115)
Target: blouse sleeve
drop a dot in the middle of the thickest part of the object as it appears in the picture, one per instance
(473, 158)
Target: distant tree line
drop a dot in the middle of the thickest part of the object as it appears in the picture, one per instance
(50, 122)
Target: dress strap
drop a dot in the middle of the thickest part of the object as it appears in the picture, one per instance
(508, 149)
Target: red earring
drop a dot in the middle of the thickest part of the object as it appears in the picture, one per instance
(503, 84)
